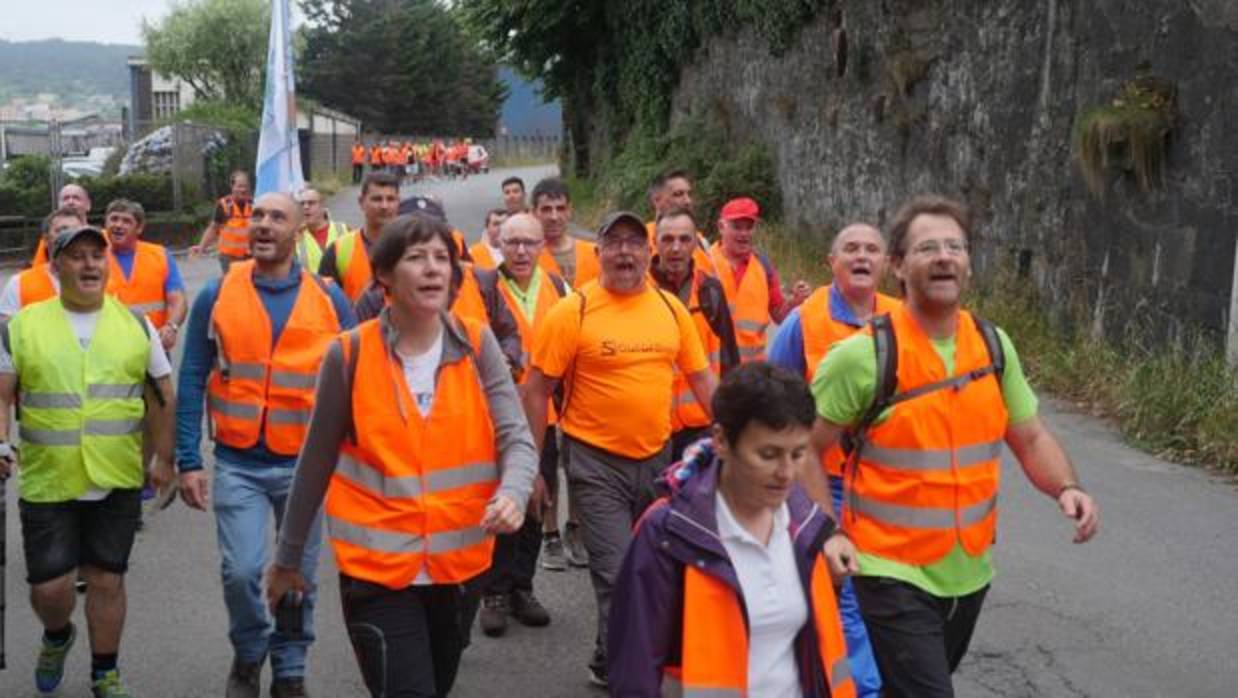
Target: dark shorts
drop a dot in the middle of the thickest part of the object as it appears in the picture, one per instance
(58, 537)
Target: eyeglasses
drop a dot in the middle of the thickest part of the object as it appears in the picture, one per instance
(519, 242)
(929, 248)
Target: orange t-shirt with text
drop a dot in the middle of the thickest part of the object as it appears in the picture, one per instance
(617, 363)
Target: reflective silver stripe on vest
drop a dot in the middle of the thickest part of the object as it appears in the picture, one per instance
(840, 673)
(288, 416)
(922, 517)
(51, 400)
(255, 372)
(685, 398)
(449, 541)
(671, 687)
(930, 459)
(50, 437)
(750, 352)
(232, 409)
(370, 479)
(750, 326)
(145, 308)
(112, 427)
(372, 538)
(114, 391)
(296, 381)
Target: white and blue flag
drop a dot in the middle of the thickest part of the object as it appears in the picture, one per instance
(279, 152)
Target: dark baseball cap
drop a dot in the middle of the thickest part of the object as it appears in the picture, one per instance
(68, 237)
(423, 205)
(613, 221)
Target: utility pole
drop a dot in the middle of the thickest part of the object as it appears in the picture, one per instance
(55, 171)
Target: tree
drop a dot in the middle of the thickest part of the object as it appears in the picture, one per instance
(401, 66)
(219, 47)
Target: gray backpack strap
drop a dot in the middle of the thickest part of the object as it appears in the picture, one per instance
(150, 380)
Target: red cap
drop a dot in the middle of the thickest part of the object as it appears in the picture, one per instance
(740, 208)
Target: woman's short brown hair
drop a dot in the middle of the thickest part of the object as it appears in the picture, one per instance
(402, 232)
(925, 204)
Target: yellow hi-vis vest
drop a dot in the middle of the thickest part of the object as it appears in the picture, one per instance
(80, 409)
(308, 251)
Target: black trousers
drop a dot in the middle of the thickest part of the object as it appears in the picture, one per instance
(515, 559)
(918, 638)
(356, 173)
(407, 641)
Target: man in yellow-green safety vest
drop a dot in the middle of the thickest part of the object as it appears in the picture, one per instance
(319, 230)
(90, 377)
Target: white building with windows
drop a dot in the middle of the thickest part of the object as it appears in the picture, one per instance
(153, 98)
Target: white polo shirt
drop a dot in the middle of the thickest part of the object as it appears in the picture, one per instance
(777, 609)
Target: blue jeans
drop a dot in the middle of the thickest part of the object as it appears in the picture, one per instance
(246, 499)
(859, 649)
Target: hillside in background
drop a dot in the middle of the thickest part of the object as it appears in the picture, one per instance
(65, 68)
(524, 112)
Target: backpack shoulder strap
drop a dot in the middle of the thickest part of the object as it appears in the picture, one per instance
(350, 350)
(559, 284)
(150, 380)
(993, 343)
(885, 349)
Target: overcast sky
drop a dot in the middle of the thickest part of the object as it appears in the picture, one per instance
(110, 21)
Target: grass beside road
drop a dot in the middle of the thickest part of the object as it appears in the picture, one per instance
(1176, 402)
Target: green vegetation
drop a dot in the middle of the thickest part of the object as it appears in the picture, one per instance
(24, 188)
(72, 70)
(1130, 134)
(401, 67)
(614, 64)
(218, 47)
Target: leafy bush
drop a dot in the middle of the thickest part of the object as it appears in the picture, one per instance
(25, 187)
(154, 192)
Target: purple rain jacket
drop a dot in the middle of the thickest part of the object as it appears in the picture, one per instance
(646, 614)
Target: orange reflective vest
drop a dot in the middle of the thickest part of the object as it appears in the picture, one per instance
(358, 154)
(548, 293)
(35, 284)
(821, 331)
(40, 254)
(143, 291)
(686, 412)
(714, 649)
(928, 475)
(262, 387)
(749, 303)
(376, 156)
(587, 266)
(461, 245)
(469, 302)
(234, 233)
(407, 497)
(480, 252)
(352, 262)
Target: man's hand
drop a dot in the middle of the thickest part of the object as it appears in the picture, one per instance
(8, 462)
(539, 501)
(162, 474)
(167, 336)
(1078, 506)
(800, 292)
(281, 580)
(502, 516)
(195, 490)
(196, 251)
(840, 556)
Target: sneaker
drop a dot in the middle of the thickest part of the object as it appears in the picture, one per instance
(494, 609)
(49, 669)
(243, 680)
(288, 687)
(553, 556)
(528, 610)
(574, 541)
(109, 686)
(597, 670)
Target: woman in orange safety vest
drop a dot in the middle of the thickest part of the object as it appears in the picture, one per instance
(426, 460)
(724, 591)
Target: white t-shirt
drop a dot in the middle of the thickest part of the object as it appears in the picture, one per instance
(10, 299)
(775, 600)
(420, 372)
(83, 325)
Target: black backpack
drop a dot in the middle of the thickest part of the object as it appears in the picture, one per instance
(885, 345)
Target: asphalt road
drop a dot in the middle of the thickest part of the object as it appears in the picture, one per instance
(1147, 609)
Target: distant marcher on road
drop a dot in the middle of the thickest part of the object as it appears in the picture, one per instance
(571, 258)
(358, 161)
(145, 276)
(87, 373)
(724, 590)
(487, 253)
(423, 462)
(923, 470)
(347, 260)
(614, 344)
(753, 290)
(229, 225)
(256, 338)
(317, 232)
